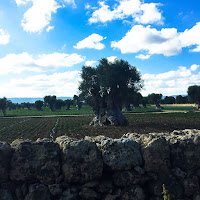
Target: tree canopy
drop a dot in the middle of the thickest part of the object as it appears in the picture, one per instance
(106, 88)
(194, 94)
(3, 105)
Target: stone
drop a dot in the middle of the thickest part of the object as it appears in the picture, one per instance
(88, 194)
(32, 161)
(71, 193)
(5, 156)
(38, 191)
(81, 161)
(121, 154)
(191, 186)
(55, 189)
(133, 193)
(156, 155)
(5, 194)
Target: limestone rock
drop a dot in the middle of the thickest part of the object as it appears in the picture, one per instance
(5, 194)
(5, 156)
(71, 193)
(81, 161)
(133, 193)
(156, 155)
(38, 191)
(55, 189)
(88, 194)
(121, 154)
(33, 161)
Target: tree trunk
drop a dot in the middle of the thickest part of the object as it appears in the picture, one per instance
(97, 121)
(4, 112)
(116, 118)
(198, 106)
(128, 107)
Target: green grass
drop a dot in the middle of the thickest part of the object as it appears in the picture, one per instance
(77, 126)
(87, 110)
(47, 111)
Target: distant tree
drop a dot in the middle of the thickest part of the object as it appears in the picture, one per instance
(194, 94)
(133, 98)
(77, 102)
(39, 104)
(144, 101)
(11, 105)
(27, 105)
(169, 100)
(181, 100)
(51, 102)
(68, 103)
(3, 105)
(155, 99)
(106, 88)
(59, 104)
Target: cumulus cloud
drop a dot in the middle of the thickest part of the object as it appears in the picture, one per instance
(144, 13)
(49, 28)
(38, 17)
(90, 63)
(112, 58)
(191, 37)
(149, 39)
(4, 37)
(92, 42)
(143, 57)
(167, 41)
(171, 82)
(18, 63)
(59, 84)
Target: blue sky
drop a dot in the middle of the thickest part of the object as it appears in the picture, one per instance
(45, 43)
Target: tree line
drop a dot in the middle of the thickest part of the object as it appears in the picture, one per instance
(107, 89)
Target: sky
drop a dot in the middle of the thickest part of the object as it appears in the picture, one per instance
(45, 43)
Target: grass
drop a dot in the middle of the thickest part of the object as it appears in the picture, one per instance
(77, 126)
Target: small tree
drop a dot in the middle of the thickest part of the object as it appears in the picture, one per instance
(3, 105)
(68, 103)
(169, 100)
(194, 94)
(39, 104)
(155, 99)
(59, 104)
(106, 89)
(77, 102)
(181, 100)
(50, 101)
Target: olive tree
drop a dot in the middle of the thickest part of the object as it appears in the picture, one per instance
(155, 99)
(194, 94)
(105, 88)
(3, 105)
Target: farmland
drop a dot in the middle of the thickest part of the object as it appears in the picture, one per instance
(73, 125)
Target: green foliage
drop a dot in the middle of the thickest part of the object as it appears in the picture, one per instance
(107, 87)
(166, 195)
(154, 98)
(3, 105)
(39, 104)
(181, 100)
(50, 101)
(194, 93)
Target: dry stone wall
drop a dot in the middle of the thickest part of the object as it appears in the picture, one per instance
(134, 167)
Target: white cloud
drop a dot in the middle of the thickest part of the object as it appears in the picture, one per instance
(39, 15)
(17, 63)
(90, 63)
(92, 42)
(143, 57)
(166, 41)
(149, 39)
(112, 58)
(49, 28)
(194, 67)
(144, 13)
(191, 37)
(171, 82)
(4, 37)
(150, 15)
(59, 84)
